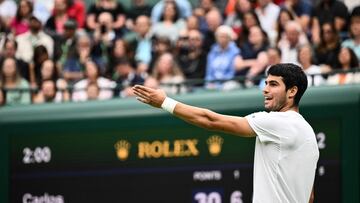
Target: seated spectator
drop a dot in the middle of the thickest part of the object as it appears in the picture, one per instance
(347, 61)
(92, 91)
(235, 19)
(284, 17)
(213, 21)
(140, 41)
(126, 77)
(138, 8)
(113, 7)
(306, 58)
(9, 51)
(170, 23)
(47, 92)
(169, 75)
(253, 54)
(104, 33)
(301, 9)
(32, 38)
(119, 50)
(160, 45)
(8, 10)
(75, 65)
(293, 39)
(221, 58)
(193, 23)
(40, 56)
(184, 9)
(55, 24)
(327, 11)
(92, 76)
(11, 81)
(250, 19)
(328, 49)
(49, 71)
(65, 46)
(76, 11)
(21, 22)
(354, 41)
(268, 13)
(190, 55)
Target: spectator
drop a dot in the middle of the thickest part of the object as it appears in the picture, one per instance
(253, 58)
(49, 71)
(55, 24)
(329, 11)
(9, 51)
(93, 76)
(7, 11)
(21, 23)
(47, 92)
(40, 56)
(170, 24)
(140, 41)
(190, 55)
(301, 9)
(139, 8)
(354, 41)
(183, 5)
(250, 19)
(306, 58)
(11, 80)
(284, 17)
(65, 47)
(204, 7)
(169, 75)
(236, 18)
(193, 23)
(346, 61)
(273, 55)
(268, 13)
(74, 66)
(213, 20)
(328, 49)
(126, 77)
(76, 10)
(221, 58)
(32, 38)
(160, 45)
(93, 91)
(111, 6)
(294, 38)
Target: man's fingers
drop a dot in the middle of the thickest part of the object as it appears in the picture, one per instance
(141, 94)
(142, 100)
(143, 88)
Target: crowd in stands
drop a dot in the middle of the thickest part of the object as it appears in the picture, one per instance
(64, 50)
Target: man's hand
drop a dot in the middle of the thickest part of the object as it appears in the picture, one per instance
(147, 95)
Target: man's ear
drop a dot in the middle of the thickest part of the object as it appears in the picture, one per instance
(292, 92)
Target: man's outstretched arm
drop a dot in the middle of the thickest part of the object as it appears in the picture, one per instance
(197, 116)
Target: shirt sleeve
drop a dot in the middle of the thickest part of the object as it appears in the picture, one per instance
(264, 126)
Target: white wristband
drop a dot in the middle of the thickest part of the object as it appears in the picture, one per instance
(169, 105)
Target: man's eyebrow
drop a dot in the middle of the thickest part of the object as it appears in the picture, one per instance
(271, 81)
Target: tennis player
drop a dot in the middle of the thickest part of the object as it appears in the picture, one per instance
(286, 151)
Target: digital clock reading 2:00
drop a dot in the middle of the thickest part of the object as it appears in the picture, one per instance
(181, 164)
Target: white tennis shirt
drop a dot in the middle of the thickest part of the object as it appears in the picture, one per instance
(286, 154)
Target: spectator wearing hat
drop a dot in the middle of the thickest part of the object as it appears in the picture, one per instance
(65, 47)
(32, 38)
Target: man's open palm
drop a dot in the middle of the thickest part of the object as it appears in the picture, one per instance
(147, 95)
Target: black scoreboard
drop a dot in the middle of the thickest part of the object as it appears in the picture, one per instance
(123, 151)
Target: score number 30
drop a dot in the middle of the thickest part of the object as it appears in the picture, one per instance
(38, 155)
(215, 197)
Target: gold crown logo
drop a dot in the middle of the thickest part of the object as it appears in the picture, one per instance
(122, 149)
(215, 143)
